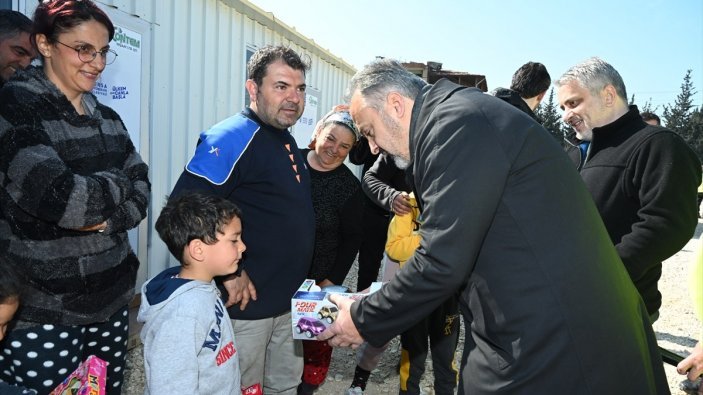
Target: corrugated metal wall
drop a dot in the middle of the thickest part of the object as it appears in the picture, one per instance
(197, 78)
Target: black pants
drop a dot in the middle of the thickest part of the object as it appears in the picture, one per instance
(375, 226)
(41, 357)
(442, 328)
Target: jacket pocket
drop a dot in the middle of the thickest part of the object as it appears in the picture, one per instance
(486, 328)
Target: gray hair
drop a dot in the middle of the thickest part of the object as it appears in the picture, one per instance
(381, 77)
(594, 74)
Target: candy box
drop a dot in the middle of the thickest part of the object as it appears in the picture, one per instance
(88, 379)
(311, 310)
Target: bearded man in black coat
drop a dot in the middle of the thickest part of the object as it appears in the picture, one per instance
(548, 306)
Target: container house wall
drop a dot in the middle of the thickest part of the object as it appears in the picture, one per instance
(198, 61)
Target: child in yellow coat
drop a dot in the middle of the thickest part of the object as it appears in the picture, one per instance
(441, 326)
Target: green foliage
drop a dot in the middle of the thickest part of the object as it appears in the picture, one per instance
(551, 118)
(647, 107)
(678, 116)
(694, 137)
(683, 118)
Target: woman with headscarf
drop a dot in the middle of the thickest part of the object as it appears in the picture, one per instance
(337, 199)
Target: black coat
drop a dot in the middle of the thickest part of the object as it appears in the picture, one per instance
(548, 307)
(644, 180)
(511, 97)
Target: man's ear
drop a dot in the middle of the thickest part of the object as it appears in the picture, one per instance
(252, 89)
(396, 104)
(195, 250)
(540, 97)
(609, 95)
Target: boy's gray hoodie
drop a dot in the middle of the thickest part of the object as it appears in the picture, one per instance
(188, 338)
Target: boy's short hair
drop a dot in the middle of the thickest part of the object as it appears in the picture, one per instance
(194, 216)
(10, 284)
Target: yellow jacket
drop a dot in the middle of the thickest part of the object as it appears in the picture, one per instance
(404, 234)
(696, 287)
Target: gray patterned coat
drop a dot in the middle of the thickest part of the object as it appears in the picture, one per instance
(60, 171)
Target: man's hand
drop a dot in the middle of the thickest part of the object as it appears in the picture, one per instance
(343, 332)
(240, 290)
(692, 366)
(325, 283)
(401, 204)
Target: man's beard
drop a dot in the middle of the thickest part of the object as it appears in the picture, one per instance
(394, 128)
(400, 163)
(587, 135)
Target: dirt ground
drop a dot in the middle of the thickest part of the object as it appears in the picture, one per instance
(676, 330)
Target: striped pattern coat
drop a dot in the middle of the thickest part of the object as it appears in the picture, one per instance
(60, 171)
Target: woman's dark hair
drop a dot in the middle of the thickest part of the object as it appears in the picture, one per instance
(54, 17)
(10, 284)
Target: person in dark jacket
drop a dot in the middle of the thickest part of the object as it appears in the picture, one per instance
(527, 89)
(548, 307)
(388, 185)
(374, 221)
(643, 178)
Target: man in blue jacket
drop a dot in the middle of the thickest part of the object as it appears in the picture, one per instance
(252, 159)
(548, 307)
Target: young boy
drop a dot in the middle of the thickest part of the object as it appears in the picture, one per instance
(187, 334)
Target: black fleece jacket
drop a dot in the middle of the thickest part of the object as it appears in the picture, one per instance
(513, 98)
(643, 179)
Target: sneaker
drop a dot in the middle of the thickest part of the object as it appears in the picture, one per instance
(690, 387)
(354, 391)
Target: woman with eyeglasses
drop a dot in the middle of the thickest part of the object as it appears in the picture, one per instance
(71, 186)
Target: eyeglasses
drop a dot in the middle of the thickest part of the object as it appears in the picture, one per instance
(86, 53)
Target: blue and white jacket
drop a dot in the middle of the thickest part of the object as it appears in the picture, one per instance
(261, 170)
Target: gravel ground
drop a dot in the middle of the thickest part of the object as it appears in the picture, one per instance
(676, 330)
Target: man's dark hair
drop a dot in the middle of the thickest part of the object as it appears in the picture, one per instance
(10, 284)
(194, 216)
(530, 80)
(649, 116)
(263, 57)
(51, 18)
(13, 23)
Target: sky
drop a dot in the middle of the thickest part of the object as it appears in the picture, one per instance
(652, 43)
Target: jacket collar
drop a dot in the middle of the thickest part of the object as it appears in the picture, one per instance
(511, 97)
(631, 121)
(33, 79)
